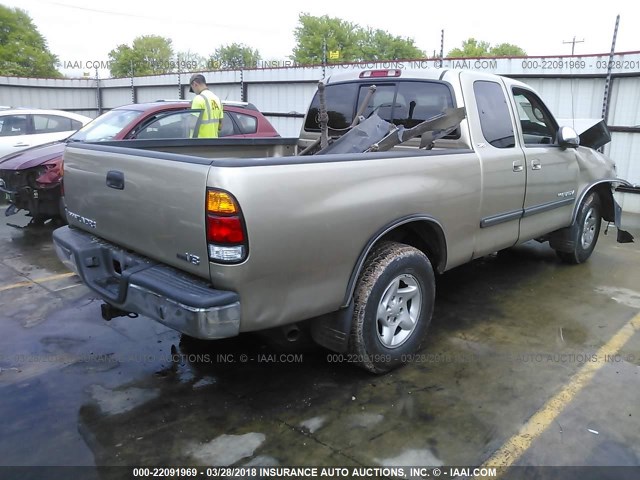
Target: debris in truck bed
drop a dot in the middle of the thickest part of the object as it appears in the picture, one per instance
(377, 135)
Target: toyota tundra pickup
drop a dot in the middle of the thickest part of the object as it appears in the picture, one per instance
(396, 176)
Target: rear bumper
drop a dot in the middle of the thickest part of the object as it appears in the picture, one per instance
(136, 284)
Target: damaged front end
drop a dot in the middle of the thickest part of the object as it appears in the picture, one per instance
(36, 190)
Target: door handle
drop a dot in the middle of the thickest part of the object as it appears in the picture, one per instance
(518, 166)
(21, 144)
(115, 179)
(536, 165)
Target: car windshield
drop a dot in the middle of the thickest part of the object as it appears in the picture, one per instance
(106, 126)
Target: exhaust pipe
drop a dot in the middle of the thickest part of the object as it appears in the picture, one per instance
(292, 333)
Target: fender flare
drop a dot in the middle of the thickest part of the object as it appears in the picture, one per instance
(355, 273)
(589, 188)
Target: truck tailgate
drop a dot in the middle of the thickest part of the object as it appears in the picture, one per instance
(122, 195)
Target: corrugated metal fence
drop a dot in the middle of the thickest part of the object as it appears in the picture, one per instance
(572, 87)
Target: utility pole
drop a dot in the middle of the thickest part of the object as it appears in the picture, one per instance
(607, 83)
(133, 90)
(324, 58)
(98, 93)
(573, 43)
(441, 46)
(180, 94)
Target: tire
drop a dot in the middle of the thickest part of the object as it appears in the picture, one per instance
(393, 305)
(585, 232)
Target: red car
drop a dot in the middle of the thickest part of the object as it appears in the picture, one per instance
(30, 179)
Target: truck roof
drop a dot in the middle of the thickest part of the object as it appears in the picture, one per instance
(411, 74)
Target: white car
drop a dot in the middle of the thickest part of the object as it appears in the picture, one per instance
(22, 128)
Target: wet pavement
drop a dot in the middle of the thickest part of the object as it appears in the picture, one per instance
(509, 332)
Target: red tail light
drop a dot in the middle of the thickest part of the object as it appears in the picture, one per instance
(226, 234)
(224, 230)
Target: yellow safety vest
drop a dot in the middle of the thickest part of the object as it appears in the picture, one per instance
(212, 113)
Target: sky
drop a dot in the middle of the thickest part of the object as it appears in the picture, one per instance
(80, 32)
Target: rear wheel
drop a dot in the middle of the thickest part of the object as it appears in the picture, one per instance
(393, 306)
(585, 232)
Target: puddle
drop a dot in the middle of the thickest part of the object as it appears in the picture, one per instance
(226, 449)
(114, 402)
(624, 296)
(366, 420)
(262, 461)
(415, 458)
(206, 381)
(313, 424)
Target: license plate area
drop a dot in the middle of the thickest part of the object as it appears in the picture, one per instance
(107, 270)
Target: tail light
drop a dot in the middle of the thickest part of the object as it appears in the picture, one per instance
(226, 232)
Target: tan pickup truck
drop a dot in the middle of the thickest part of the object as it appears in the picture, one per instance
(342, 230)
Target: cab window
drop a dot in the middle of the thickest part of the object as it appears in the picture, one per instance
(495, 119)
(405, 103)
(420, 101)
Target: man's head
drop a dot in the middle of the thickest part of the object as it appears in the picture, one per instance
(197, 83)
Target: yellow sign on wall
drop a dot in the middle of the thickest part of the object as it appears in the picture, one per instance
(334, 54)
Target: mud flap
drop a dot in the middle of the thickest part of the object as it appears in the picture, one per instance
(333, 329)
(623, 235)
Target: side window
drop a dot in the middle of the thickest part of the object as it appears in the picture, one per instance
(538, 126)
(13, 125)
(246, 123)
(495, 119)
(76, 125)
(51, 124)
(171, 125)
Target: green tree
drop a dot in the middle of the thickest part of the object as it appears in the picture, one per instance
(189, 61)
(507, 50)
(148, 55)
(474, 48)
(471, 48)
(236, 55)
(353, 42)
(23, 50)
(381, 45)
(339, 35)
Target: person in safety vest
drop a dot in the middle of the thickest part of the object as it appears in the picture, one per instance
(210, 105)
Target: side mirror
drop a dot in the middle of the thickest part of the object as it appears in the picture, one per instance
(568, 138)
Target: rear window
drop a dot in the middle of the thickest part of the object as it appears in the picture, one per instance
(406, 103)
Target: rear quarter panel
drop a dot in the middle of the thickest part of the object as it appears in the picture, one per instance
(308, 223)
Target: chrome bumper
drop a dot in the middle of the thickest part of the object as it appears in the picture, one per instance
(178, 300)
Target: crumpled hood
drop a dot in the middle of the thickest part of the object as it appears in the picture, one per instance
(32, 157)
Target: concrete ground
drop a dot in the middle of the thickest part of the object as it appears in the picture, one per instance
(529, 362)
